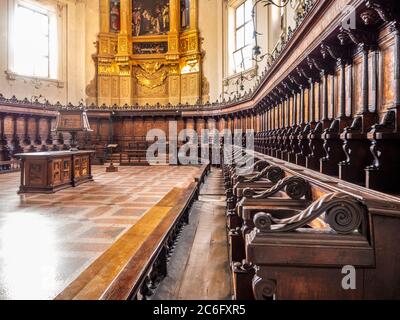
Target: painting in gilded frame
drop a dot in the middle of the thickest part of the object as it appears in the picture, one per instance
(150, 17)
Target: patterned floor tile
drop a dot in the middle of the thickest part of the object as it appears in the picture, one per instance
(46, 241)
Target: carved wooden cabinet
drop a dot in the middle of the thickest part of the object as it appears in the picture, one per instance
(49, 172)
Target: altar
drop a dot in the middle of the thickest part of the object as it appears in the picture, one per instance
(49, 172)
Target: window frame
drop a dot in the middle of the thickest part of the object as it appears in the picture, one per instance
(245, 44)
(56, 57)
(37, 11)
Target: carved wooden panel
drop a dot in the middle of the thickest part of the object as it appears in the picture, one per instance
(127, 127)
(77, 168)
(8, 126)
(66, 170)
(330, 113)
(180, 125)
(32, 127)
(36, 173)
(84, 166)
(125, 88)
(115, 87)
(306, 109)
(318, 99)
(200, 124)
(43, 127)
(357, 86)
(104, 86)
(57, 175)
(174, 86)
(387, 93)
(162, 124)
(20, 126)
(104, 128)
(298, 108)
(336, 93)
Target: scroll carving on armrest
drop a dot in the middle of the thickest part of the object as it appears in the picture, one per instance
(295, 187)
(272, 173)
(260, 165)
(344, 214)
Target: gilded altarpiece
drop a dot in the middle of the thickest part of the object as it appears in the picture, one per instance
(149, 52)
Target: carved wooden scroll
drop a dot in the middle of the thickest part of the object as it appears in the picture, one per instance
(272, 173)
(295, 187)
(344, 214)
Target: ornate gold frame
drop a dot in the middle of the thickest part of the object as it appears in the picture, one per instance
(127, 78)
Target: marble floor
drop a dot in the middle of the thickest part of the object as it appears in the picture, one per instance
(46, 241)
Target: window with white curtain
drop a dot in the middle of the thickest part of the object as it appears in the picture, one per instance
(34, 41)
(244, 37)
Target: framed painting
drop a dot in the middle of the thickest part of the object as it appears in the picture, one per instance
(150, 17)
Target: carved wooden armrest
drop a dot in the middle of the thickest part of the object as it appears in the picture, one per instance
(317, 131)
(272, 173)
(387, 124)
(334, 127)
(343, 213)
(356, 126)
(306, 130)
(295, 187)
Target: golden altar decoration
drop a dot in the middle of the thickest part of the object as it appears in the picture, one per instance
(148, 52)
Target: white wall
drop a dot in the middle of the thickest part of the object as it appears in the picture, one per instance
(79, 25)
(210, 25)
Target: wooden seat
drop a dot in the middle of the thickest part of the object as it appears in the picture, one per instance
(319, 254)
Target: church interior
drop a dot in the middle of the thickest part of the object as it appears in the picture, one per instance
(199, 149)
